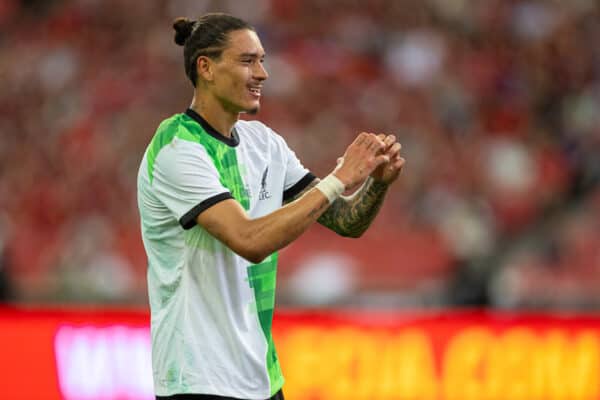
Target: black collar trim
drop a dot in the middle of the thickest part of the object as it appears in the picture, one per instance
(233, 141)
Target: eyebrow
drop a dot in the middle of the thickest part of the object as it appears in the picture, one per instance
(253, 55)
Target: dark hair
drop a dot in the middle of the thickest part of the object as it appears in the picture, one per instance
(205, 37)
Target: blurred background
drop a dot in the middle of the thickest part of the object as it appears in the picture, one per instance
(496, 104)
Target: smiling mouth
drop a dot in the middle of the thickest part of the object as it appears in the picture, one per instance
(254, 90)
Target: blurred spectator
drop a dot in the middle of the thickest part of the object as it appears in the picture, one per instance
(559, 268)
(495, 103)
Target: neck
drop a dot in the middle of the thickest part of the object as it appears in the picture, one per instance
(214, 113)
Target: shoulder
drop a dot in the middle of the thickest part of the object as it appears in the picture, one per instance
(174, 141)
(169, 124)
(176, 131)
(167, 130)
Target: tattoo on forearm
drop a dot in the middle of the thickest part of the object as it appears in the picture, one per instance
(351, 217)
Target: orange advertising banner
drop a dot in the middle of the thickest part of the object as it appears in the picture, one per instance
(450, 355)
(329, 354)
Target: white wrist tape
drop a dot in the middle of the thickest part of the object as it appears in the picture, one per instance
(331, 187)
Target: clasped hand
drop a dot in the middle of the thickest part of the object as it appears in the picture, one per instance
(372, 155)
(388, 172)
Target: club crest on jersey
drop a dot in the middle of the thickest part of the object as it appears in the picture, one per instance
(264, 193)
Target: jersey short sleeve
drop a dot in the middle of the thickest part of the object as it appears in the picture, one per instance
(297, 176)
(186, 181)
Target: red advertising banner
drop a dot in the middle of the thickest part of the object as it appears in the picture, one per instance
(446, 355)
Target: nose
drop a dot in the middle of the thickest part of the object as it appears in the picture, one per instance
(260, 72)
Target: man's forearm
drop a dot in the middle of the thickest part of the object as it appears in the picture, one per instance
(283, 226)
(255, 239)
(351, 216)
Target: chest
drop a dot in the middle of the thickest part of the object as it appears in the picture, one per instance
(263, 174)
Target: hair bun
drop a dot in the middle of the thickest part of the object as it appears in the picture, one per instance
(183, 29)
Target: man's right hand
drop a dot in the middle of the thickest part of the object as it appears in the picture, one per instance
(361, 158)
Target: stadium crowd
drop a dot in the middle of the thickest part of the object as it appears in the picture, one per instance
(495, 102)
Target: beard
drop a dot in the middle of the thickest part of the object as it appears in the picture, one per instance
(253, 111)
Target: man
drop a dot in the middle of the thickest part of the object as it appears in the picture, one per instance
(211, 195)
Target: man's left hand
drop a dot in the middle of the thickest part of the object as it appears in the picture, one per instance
(388, 172)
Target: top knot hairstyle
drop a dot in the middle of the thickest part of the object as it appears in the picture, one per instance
(205, 37)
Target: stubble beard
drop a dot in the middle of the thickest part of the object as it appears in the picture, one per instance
(254, 111)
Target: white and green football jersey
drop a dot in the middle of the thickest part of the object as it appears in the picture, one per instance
(211, 309)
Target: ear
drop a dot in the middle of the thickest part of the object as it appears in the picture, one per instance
(205, 68)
